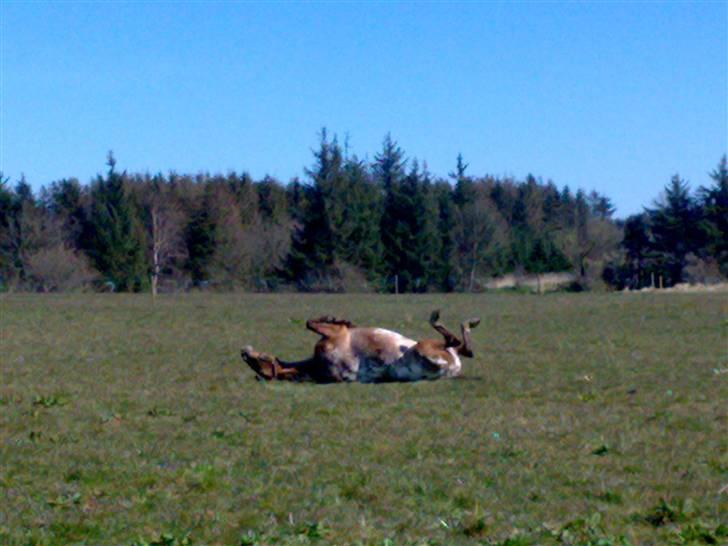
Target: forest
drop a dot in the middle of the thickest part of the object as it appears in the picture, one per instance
(383, 225)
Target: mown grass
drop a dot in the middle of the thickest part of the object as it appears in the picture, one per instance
(583, 419)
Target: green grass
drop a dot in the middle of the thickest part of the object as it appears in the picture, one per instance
(584, 419)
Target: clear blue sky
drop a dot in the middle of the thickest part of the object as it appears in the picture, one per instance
(614, 96)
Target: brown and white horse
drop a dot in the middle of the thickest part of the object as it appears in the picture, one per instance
(369, 355)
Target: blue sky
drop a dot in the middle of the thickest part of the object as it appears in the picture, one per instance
(614, 96)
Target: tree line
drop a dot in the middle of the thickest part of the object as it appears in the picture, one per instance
(386, 225)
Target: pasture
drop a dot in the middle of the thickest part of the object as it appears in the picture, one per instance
(584, 419)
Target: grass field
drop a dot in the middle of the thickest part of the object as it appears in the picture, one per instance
(584, 419)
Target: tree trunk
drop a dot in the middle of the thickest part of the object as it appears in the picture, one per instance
(474, 264)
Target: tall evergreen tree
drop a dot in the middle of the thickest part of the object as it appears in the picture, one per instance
(714, 224)
(637, 247)
(200, 239)
(446, 225)
(673, 227)
(65, 200)
(311, 257)
(464, 185)
(389, 172)
(358, 237)
(115, 237)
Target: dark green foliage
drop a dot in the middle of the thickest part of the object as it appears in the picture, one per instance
(636, 244)
(411, 238)
(714, 221)
(358, 236)
(673, 228)
(114, 237)
(272, 200)
(200, 240)
(354, 224)
(601, 206)
(65, 200)
(679, 230)
(464, 186)
(310, 262)
(8, 213)
(444, 269)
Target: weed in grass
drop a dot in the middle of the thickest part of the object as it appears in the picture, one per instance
(608, 497)
(164, 539)
(699, 533)
(669, 512)
(159, 412)
(49, 401)
(65, 501)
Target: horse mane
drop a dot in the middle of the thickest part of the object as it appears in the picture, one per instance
(328, 319)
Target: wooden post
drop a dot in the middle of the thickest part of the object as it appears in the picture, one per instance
(652, 277)
(396, 284)
(661, 287)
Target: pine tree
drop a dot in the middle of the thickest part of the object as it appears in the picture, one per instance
(673, 227)
(428, 241)
(714, 224)
(114, 235)
(637, 247)
(200, 240)
(389, 172)
(272, 203)
(446, 223)
(601, 205)
(311, 257)
(65, 200)
(464, 186)
(358, 237)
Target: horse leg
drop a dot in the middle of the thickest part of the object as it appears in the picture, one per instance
(269, 367)
(451, 339)
(467, 347)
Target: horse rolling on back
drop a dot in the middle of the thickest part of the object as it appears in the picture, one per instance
(346, 352)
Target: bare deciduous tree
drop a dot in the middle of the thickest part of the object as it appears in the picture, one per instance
(165, 232)
(479, 230)
(57, 268)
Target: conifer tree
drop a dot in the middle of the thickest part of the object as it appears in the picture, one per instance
(464, 186)
(389, 171)
(114, 235)
(637, 247)
(673, 227)
(446, 223)
(714, 224)
(311, 257)
(358, 237)
(200, 240)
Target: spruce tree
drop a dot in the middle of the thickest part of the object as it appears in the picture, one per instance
(428, 241)
(311, 258)
(714, 224)
(464, 186)
(200, 239)
(673, 228)
(389, 171)
(446, 223)
(358, 237)
(114, 235)
(638, 253)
